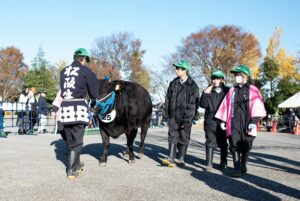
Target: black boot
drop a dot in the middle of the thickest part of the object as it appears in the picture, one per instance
(209, 159)
(223, 162)
(245, 157)
(236, 164)
(72, 165)
(181, 154)
(170, 161)
(80, 165)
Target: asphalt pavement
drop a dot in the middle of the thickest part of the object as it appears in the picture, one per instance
(33, 167)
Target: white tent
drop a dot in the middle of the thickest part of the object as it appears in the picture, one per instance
(292, 102)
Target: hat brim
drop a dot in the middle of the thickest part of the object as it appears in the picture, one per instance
(216, 76)
(183, 67)
(235, 71)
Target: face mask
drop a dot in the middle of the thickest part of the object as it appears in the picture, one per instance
(218, 90)
(238, 79)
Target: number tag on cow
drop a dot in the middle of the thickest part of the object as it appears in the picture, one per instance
(108, 117)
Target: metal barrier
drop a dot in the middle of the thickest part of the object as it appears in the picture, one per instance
(25, 119)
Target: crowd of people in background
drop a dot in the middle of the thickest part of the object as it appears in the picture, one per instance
(158, 118)
(34, 110)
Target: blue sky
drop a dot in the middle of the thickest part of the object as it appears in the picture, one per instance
(63, 26)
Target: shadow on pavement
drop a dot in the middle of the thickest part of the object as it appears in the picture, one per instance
(61, 151)
(224, 183)
(272, 185)
(96, 149)
(259, 158)
(233, 187)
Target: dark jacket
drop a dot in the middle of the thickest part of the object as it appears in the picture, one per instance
(76, 82)
(241, 113)
(182, 101)
(42, 106)
(210, 102)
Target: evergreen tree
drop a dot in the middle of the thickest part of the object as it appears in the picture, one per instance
(41, 76)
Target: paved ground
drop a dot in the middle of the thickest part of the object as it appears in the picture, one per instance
(33, 168)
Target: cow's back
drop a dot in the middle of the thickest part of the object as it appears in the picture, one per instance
(134, 95)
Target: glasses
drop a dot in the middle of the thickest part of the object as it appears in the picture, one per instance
(178, 68)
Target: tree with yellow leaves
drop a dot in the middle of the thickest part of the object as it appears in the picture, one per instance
(274, 43)
(287, 65)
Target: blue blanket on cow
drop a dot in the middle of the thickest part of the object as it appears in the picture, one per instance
(106, 104)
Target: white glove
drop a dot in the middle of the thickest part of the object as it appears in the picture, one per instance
(223, 126)
(251, 126)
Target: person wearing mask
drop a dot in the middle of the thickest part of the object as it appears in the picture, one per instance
(239, 112)
(182, 101)
(215, 137)
(76, 82)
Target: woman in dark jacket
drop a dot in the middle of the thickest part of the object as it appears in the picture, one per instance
(181, 105)
(215, 137)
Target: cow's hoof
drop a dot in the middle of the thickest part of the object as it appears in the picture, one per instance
(131, 161)
(102, 164)
(140, 155)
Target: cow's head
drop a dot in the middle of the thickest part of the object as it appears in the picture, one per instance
(106, 87)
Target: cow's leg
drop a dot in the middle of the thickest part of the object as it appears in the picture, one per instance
(105, 144)
(144, 129)
(130, 138)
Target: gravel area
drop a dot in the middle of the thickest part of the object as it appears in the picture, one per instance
(33, 168)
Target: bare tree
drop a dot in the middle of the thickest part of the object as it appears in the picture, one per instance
(217, 48)
(117, 51)
(102, 68)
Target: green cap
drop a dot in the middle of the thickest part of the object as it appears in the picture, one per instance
(183, 64)
(218, 73)
(82, 52)
(241, 69)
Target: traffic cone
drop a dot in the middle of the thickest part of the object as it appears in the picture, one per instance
(274, 127)
(297, 129)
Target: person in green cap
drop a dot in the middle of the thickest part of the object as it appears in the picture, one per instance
(76, 82)
(240, 110)
(181, 104)
(215, 136)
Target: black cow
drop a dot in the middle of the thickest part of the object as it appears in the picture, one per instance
(133, 109)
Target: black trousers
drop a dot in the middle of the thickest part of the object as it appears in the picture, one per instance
(240, 142)
(177, 134)
(74, 136)
(216, 139)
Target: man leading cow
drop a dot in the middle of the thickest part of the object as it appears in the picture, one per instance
(76, 81)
